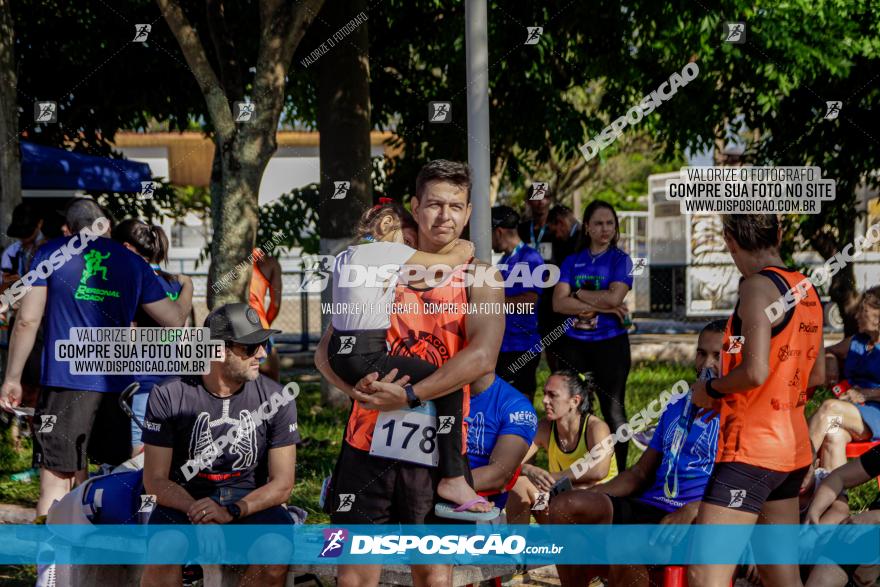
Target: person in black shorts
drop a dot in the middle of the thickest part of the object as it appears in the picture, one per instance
(850, 475)
(221, 448)
(664, 486)
(82, 280)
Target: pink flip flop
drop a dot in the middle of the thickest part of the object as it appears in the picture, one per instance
(447, 510)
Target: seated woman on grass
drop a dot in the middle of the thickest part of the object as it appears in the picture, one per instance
(567, 432)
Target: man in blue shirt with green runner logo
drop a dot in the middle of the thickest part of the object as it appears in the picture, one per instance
(82, 280)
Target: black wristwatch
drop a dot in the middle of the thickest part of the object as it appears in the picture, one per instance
(711, 392)
(411, 397)
(234, 511)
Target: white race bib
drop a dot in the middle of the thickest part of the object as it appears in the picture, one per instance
(546, 250)
(407, 435)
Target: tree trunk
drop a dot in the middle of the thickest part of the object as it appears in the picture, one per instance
(344, 124)
(234, 219)
(10, 159)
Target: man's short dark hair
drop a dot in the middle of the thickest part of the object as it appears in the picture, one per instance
(559, 212)
(454, 172)
(719, 326)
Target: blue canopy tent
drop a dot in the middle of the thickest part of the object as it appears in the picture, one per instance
(48, 168)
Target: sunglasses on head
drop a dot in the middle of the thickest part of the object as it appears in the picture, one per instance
(250, 349)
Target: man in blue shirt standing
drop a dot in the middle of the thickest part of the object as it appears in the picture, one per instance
(517, 265)
(82, 280)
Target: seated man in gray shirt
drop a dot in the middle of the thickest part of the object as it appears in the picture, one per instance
(221, 447)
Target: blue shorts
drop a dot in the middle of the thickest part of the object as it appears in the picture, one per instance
(870, 412)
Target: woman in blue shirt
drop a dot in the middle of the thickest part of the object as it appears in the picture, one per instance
(855, 415)
(592, 284)
(151, 243)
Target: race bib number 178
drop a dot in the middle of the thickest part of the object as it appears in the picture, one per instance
(407, 435)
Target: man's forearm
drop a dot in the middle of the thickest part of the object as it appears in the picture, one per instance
(489, 477)
(624, 484)
(169, 494)
(466, 366)
(275, 492)
(20, 346)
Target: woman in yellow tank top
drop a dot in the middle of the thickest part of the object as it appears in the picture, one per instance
(567, 432)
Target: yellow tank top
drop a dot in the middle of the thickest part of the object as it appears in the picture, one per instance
(559, 460)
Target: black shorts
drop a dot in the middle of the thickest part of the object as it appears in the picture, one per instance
(747, 487)
(71, 424)
(384, 491)
(628, 510)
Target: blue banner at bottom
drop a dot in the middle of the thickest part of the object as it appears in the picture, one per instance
(440, 544)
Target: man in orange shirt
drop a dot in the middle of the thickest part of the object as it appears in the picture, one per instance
(389, 490)
(764, 447)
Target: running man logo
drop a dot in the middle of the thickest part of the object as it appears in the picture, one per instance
(346, 345)
(148, 504)
(541, 501)
(440, 112)
(446, 423)
(539, 190)
(533, 34)
(93, 266)
(832, 109)
(735, 344)
(340, 190)
(333, 542)
(785, 352)
(45, 112)
(346, 501)
(47, 423)
(737, 497)
(834, 424)
(735, 32)
(141, 32)
(244, 111)
(319, 274)
(148, 189)
(639, 264)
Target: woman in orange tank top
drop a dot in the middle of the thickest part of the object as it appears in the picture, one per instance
(769, 362)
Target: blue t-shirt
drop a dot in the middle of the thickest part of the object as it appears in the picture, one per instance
(99, 287)
(862, 367)
(692, 466)
(520, 330)
(581, 270)
(172, 290)
(499, 410)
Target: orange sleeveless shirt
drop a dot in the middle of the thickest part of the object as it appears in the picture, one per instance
(257, 297)
(766, 426)
(415, 332)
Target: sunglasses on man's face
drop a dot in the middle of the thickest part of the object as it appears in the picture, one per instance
(250, 349)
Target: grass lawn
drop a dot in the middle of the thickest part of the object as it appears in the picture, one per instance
(322, 427)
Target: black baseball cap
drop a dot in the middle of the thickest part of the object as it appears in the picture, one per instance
(238, 323)
(504, 217)
(25, 218)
